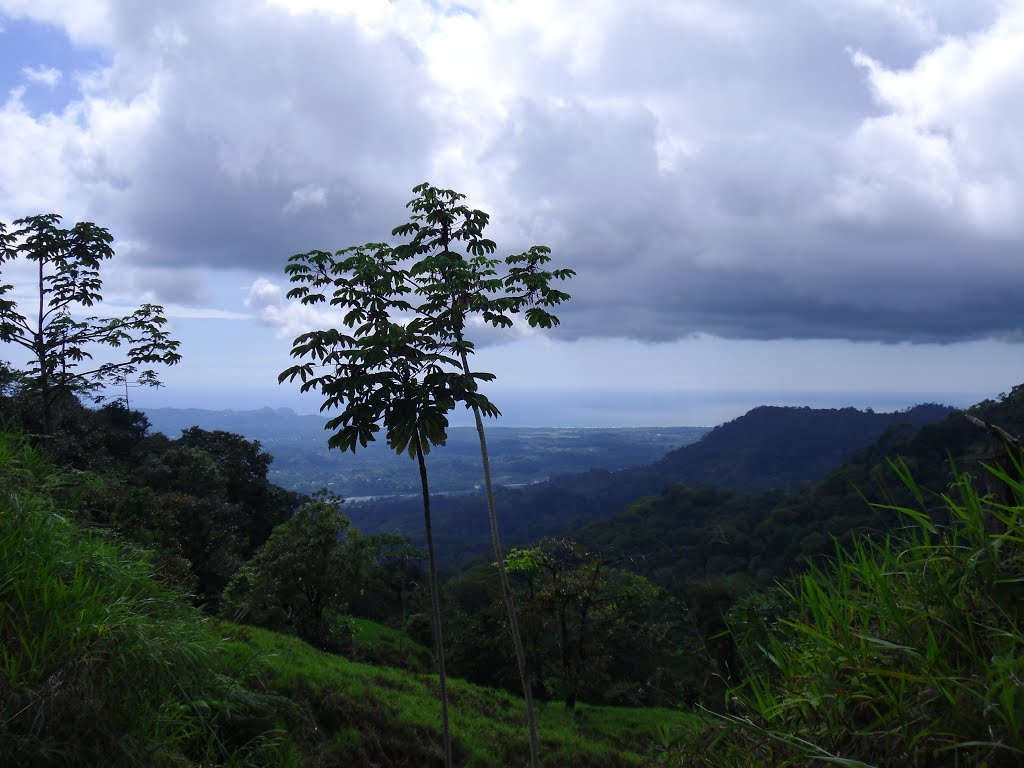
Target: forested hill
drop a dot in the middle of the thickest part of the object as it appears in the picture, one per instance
(776, 447)
(697, 540)
(711, 545)
(769, 447)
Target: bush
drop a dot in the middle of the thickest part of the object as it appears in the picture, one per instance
(100, 664)
(904, 652)
(296, 581)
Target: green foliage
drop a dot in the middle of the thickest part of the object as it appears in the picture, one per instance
(593, 628)
(202, 502)
(456, 286)
(297, 580)
(902, 652)
(62, 345)
(100, 664)
(389, 371)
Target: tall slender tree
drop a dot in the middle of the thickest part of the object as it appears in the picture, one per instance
(390, 371)
(453, 278)
(457, 279)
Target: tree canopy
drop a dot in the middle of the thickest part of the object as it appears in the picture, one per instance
(66, 345)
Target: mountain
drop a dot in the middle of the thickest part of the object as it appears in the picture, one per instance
(785, 448)
(519, 456)
(684, 534)
(767, 448)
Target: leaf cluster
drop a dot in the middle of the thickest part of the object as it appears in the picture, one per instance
(400, 359)
(905, 651)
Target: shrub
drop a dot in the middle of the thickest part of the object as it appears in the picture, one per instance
(903, 652)
(100, 664)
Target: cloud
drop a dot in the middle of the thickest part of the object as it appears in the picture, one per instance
(309, 196)
(807, 170)
(48, 76)
(86, 22)
(291, 318)
(167, 286)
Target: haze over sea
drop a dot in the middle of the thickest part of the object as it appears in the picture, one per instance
(691, 408)
(618, 408)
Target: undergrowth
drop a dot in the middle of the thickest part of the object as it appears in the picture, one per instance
(354, 714)
(100, 664)
(906, 651)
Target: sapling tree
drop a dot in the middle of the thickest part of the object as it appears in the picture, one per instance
(62, 343)
(457, 279)
(390, 372)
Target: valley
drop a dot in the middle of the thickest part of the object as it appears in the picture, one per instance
(520, 455)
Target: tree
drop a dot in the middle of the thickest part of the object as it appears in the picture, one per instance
(62, 344)
(204, 498)
(583, 606)
(297, 579)
(456, 286)
(390, 371)
(383, 568)
(452, 288)
(243, 465)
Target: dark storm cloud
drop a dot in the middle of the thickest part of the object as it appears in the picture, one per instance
(801, 205)
(800, 169)
(254, 109)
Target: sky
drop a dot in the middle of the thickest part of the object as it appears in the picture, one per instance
(800, 202)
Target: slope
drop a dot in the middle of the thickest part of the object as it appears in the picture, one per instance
(104, 664)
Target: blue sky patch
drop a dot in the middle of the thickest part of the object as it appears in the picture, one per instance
(27, 47)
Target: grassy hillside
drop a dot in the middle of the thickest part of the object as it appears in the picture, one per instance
(351, 714)
(102, 664)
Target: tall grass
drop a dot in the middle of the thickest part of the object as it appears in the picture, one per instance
(100, 664)
(903, 652)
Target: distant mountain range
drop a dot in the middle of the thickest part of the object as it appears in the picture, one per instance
(780, 448)
(519, 456)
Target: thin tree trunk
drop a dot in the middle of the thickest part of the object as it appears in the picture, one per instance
(506, 590)
(435, 604)
(44, 379)
(568, 678)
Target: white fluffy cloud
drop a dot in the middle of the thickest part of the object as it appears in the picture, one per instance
(289, 318)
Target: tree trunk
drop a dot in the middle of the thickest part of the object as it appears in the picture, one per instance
(435, 604)
(506, 590)
(568, 676)
(44, 379)
(580, 658)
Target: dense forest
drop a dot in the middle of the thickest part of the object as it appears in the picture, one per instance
(798, 587)
(661, 600)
